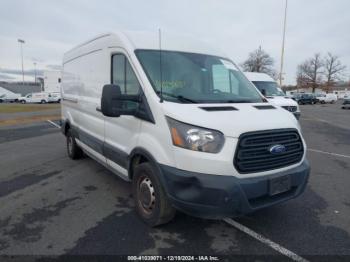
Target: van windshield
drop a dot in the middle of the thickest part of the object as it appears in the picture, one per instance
(271, 88)
(196, 78)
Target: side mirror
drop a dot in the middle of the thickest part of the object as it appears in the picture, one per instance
(263, 91)
(115, 104)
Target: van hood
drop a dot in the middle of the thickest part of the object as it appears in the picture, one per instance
(282, 101)
(234, 122)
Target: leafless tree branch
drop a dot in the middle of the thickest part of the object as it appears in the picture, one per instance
(333, 70)
(259, 61)
(310, 72)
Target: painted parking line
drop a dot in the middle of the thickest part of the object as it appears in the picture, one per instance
(265, 240)
(53, 123)
(327, 153)
(316, 119)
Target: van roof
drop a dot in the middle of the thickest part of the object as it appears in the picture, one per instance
(133, 40)
(258, 77)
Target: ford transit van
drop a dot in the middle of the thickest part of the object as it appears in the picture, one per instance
(42, 98)
(274, 94)
(182, 124)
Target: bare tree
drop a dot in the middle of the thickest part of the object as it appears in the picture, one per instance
(309, 73)
(259, 61)
(333, 70)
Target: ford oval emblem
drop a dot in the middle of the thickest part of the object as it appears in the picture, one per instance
(277, 149)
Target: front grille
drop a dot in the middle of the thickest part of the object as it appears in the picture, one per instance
(253, 150)
(290, 108)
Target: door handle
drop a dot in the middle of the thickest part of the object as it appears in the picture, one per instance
(98, 109)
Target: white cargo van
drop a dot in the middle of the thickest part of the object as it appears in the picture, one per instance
(183, 124)
(54, 97)
(35, 98)
(327, 98)
(9, 97)
(274, 94)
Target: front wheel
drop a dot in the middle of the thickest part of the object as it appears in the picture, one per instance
(151, 201)
(43, 101)
(23, 101)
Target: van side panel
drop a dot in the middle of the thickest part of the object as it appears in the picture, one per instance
(83, 80)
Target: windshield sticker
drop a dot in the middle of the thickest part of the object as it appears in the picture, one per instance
(171, 84)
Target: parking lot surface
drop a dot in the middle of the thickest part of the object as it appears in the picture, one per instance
(51, 205)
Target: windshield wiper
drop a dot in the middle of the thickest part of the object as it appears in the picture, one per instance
(179, 97)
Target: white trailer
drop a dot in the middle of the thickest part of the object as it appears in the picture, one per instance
(52, 81)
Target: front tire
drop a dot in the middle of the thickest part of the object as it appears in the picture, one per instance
(73, 150)
(151, 201)
(43, 101)
(23, 101)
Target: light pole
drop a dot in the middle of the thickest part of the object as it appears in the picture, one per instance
(21, 42)
(283, 42)
(34, 72)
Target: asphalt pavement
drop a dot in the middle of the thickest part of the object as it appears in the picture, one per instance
(51, 205)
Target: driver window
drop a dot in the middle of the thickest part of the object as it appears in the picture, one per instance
(124, 76)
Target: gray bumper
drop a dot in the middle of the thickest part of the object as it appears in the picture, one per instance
(212, 196)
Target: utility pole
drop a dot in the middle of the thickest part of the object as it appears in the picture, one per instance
(35, 72)
(283, 43)
(21, 42)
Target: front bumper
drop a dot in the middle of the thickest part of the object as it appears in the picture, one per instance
(214, 196)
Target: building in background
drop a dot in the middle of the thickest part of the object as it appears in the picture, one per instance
(52, 81)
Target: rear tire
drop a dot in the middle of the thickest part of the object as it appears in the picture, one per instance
(73, 150)
(151, 201)
(43, 101)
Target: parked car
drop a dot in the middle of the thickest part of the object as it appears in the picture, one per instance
(9, 97)
(303, 99)
(327, 98)
(190, 132)
(346, 103)
(273, 93)
(34, 98)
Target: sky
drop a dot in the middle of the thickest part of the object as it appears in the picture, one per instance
(52, 27)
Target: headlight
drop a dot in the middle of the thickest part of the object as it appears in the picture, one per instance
(195, 138)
